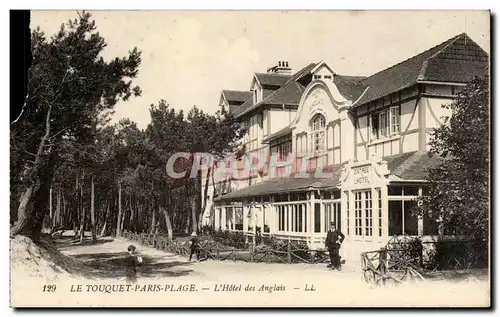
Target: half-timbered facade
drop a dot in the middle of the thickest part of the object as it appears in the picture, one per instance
(368, 135)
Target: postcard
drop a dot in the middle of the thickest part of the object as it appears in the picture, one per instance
(253, 159)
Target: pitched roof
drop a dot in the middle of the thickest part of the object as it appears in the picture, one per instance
(455, 60)
(407, 166)
(277, 80)
(289, 93)
(349, 86)
(411, 165)
(286, 130)
(237, 95)
(288, 184)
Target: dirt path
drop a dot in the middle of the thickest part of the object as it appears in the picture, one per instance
(107, 255)
(228, 283)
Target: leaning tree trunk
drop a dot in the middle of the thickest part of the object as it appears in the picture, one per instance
(25, 209)
(168, 223)
(103, 232)
(92, 211)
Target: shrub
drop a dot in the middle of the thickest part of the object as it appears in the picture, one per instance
(459, 254)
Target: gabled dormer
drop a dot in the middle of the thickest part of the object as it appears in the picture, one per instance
(323, 72)
(233, 99)
(257, 91)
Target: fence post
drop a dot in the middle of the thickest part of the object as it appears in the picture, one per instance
(289, 252)
(383, 263)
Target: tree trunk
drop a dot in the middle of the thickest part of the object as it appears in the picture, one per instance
(205, 190)
(170, 231)
(82, 220)
(131, 219)
(50, 204)
(194, 223)
(55, 217)
(119, 224)
(103, 232)
(92, 211)
(24, 212)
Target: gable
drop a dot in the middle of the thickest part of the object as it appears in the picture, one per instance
(322, 98)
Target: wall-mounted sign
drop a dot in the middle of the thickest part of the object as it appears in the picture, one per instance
(362, 174)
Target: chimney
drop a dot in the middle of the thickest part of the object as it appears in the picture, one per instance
(281, 68)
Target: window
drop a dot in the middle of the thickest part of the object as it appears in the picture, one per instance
(358, 214)
(346, 194)
(368, 213)
(395, 117)
(363, 213)
(379, 207)
(255, 95)
(332, 213)
(284, 149)
(382, 128)
(386, 122)
(318, 133)
(317, 217)
(328, 77)
(317, 76)
(401, 218)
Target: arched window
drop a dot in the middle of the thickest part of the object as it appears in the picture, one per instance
(318, 127)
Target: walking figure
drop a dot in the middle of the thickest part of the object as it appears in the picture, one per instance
(195, 248)
(131, 262)
(334, 239)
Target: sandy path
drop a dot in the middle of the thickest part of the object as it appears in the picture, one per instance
(181, 283)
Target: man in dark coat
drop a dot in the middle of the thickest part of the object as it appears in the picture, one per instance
(334, 239)
(194, 247)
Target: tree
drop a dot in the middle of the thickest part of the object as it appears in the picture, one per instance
(458, 191)
(70, 87)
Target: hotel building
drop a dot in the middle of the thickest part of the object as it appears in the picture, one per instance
(370, 135)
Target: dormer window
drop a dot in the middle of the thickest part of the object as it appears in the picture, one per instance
(257, 94)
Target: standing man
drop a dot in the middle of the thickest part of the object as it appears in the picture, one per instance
(194, 247)
(334, 239)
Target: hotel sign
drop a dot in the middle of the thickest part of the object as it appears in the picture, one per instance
(361, 174)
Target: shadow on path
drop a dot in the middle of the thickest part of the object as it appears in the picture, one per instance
(104, 263)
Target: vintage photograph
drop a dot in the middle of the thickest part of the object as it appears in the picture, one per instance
(253, 159)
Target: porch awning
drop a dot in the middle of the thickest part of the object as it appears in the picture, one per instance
(411, 166)
(288, 184)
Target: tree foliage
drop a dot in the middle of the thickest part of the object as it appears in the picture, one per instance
(72, 169)
(458, 192)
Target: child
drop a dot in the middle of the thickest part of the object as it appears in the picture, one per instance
(131, 264)
(194, 247)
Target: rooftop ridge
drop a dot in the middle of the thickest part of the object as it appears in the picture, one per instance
(444, 44)
(291, 79)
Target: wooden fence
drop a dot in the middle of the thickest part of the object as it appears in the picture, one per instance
(385, 266)
(288, 252)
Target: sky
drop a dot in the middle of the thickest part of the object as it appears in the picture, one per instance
(188, 57)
